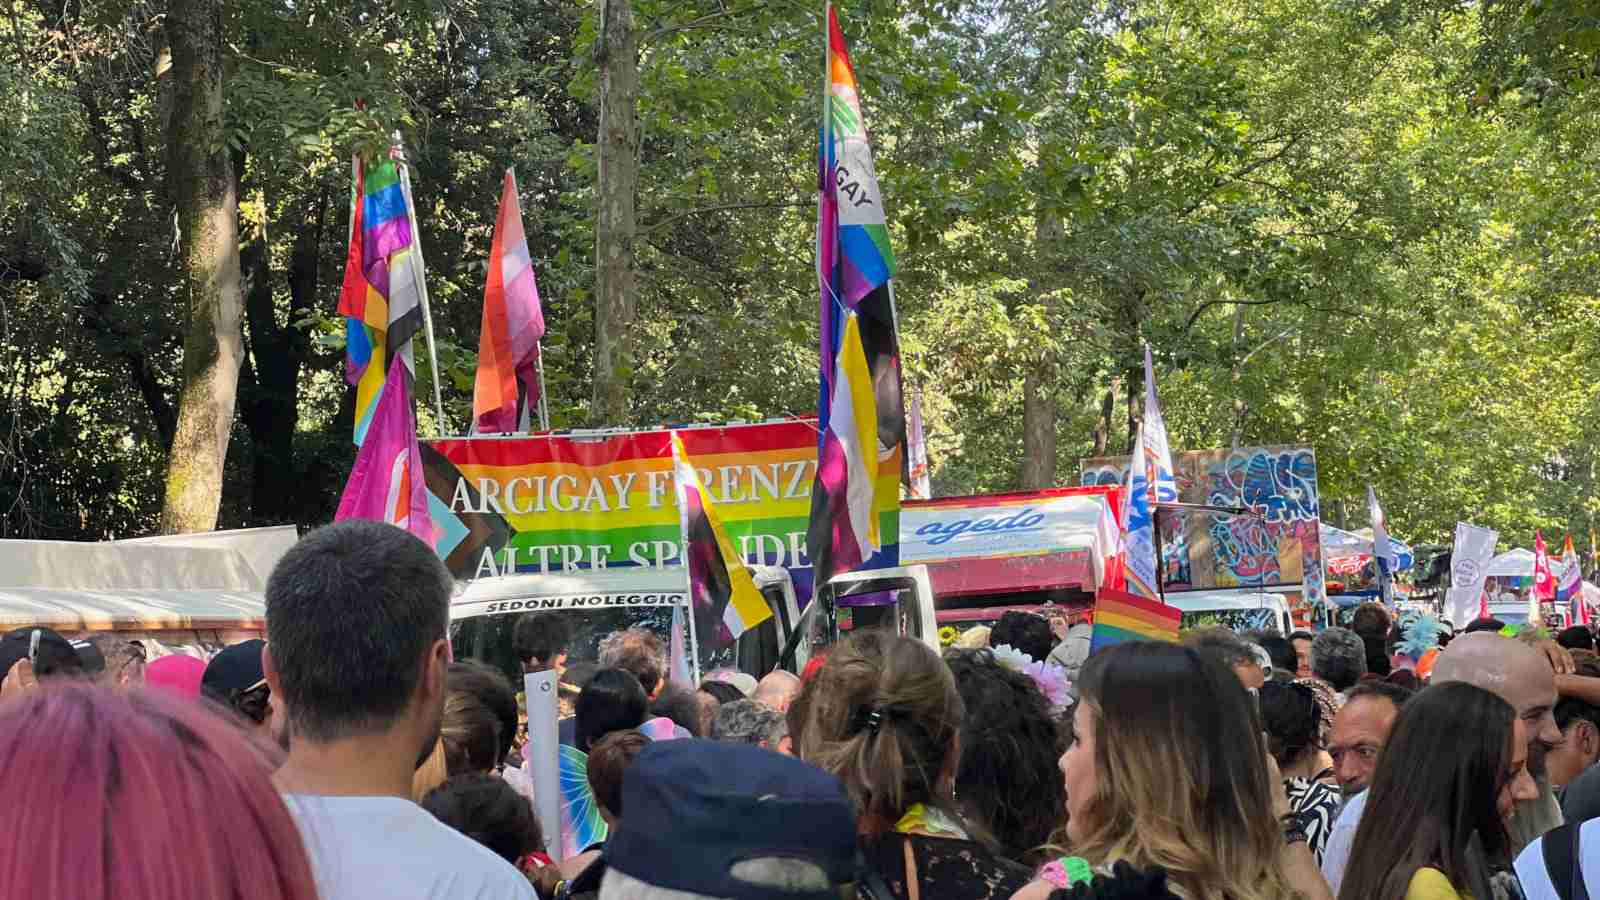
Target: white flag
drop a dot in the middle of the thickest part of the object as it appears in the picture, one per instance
(917, 447)
(1469, 567)
(1382, 549)
(1150, 481)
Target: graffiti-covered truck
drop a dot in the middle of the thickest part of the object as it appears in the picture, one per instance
(1275, 549)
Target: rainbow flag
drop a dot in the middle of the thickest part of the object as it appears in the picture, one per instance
(387, 482)
(859, 347)
(508, 384)
(726, 600)
(581, 825)
(1120, 616)
(380, 298)
(857, 239)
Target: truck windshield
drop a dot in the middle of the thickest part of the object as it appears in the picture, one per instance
(1239, 620)
(488, 638)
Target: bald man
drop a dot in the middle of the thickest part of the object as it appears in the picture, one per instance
(777, 690)
(1520, 675)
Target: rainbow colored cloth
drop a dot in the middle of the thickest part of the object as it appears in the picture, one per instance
(381, 296)
(1120, 616)
(860, 411)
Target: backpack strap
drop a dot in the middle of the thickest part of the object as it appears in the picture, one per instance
(1560, 851)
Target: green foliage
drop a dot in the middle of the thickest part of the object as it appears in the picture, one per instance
(1366, 228)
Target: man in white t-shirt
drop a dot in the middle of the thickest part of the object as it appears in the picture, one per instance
(356, 654)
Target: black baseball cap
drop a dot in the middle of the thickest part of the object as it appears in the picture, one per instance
(90, 658)
(235, 670)
(695, 808)
(51, 653)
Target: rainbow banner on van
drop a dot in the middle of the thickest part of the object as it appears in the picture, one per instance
(551, 503)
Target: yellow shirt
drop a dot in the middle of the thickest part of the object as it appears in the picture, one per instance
(1431, 884)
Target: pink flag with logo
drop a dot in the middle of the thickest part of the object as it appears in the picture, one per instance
(386, 483)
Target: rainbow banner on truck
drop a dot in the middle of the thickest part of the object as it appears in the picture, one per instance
(553, 503)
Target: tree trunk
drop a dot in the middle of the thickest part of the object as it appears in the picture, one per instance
(1038, 432)
(1135, 378)
(200, 175)
(269, 402)
(1102, 425)
(1039, 404)
(614, 223)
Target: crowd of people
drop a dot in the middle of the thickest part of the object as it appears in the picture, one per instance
(350, 755)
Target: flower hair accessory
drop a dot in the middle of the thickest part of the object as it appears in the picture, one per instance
(1050, 678)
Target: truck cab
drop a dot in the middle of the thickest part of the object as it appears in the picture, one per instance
(1244, 609)
(484, 613)
(1045, 552)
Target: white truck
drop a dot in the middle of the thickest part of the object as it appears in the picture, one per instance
(599, 602)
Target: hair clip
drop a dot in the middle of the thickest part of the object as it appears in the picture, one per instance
(867, 719)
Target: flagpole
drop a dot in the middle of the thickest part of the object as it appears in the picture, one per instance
(420, 275)
(355, 195)
(683, 546)
(544, 410)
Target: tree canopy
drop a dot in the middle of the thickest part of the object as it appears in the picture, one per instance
(1366, 228)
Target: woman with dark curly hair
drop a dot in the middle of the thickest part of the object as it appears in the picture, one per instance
(1009, 744)
(1293, 722)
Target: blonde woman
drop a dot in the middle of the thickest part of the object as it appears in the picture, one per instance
(884, 716)
(1168, 771)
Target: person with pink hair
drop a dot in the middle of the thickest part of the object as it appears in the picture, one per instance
(157, 798)
(178, 674)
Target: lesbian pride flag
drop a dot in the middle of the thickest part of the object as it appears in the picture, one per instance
(508, 384)
(860, 408)
(725, 597)
(380, 298)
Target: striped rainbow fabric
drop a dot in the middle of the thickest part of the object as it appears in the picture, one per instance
(380, 298)
(860, 410)
(581, 825)
(1120, 616)
(856, 246)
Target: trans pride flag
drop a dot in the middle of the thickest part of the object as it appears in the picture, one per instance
(508, 384)
(860, 409)
(726, 600)
(380, 298)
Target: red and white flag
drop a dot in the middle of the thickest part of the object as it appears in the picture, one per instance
(1544, 583)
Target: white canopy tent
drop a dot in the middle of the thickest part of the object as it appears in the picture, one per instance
(1338, 544)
